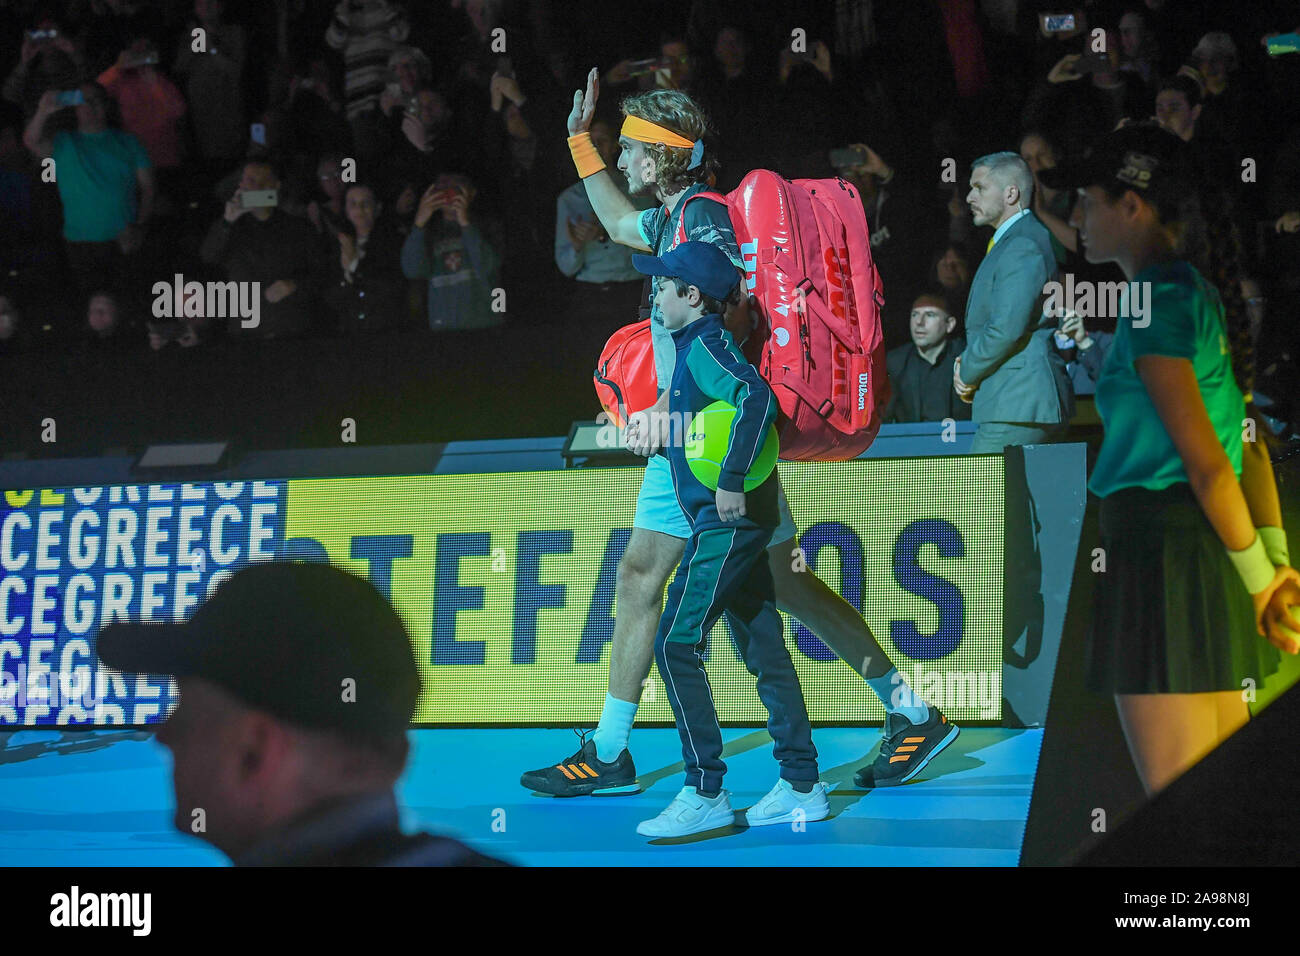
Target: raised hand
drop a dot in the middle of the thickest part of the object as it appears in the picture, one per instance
(430, 202)
(873, 164)
(1064, 71)
(460, 208)
(235, 207)
(584, 106)
(1073, 326)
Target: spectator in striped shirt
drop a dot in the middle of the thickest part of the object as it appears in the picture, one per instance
(367, 32)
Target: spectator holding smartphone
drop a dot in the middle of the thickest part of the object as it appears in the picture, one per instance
(49, 60)
(257, 242)
(447, 248)
(1088, 90)
(150, 104)
(1083, 352)
(423, 141)
(673, 69)
(105, 180)
(408, 70)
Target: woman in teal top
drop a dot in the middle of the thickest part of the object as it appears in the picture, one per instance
(1188, 509)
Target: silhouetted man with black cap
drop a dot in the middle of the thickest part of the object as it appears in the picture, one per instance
(297, 685)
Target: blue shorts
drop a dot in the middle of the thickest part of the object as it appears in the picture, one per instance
(657, 508)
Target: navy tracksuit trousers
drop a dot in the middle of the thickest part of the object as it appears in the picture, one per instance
(725, 570)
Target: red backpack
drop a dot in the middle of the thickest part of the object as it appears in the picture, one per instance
(625, 373)
(817, 338)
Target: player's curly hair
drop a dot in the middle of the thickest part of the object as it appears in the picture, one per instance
(674, 110)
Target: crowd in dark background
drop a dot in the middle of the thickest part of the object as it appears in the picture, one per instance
(418, 164)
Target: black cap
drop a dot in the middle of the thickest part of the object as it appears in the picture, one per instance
(1138, 156)
(283, 638)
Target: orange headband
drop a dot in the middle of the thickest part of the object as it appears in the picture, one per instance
(634, 127)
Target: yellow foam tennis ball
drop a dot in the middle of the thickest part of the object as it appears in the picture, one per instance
(706, 447)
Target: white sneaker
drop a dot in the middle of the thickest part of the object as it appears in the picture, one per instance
(783, 802)
(690, 813)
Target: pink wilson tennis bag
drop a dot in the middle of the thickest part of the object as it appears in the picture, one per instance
(817, 339)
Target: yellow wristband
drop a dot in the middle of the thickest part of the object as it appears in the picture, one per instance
(1253, 565)
(1275, 544)
(585, 156)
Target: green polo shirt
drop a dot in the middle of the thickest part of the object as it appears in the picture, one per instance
(96, 173)
(1185, 321)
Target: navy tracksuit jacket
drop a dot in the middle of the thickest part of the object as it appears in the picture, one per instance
(725, 568)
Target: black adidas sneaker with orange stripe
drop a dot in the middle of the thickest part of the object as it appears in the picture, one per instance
(583, 775)
(906, 748)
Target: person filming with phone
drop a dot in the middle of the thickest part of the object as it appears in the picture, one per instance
(150, 104)
(1083, 351)
(447, 247)
(1087, 91)
(255, 241)
(48, 59)
(106, 183)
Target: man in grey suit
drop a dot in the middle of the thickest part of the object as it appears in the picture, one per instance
(1015, 380)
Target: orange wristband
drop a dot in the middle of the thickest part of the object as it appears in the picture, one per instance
(585, 156)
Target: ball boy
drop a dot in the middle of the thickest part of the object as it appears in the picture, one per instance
(724, 568)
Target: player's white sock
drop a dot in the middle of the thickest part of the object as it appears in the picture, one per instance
(614, 728)
(910, 706)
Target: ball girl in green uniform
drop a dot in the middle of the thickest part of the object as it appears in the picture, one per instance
(1188, 610)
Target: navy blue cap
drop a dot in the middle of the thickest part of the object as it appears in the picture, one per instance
(700, 264)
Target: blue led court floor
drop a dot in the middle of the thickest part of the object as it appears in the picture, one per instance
(104, 799)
